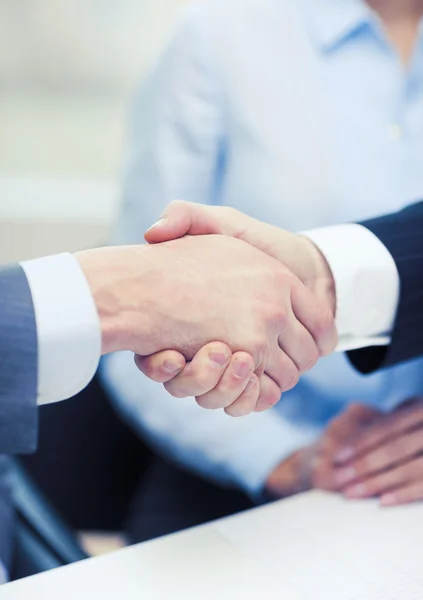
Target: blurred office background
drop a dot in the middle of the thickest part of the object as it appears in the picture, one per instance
(67, 71)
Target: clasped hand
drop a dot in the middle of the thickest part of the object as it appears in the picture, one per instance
(264, 345)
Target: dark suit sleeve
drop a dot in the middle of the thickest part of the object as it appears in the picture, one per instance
(402, 234)
(18, 364)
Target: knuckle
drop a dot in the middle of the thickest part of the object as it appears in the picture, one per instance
(209, 402)
(175, 389)
(269, 394)
(260, 351)
(269, 398)
(245, 359)
(229, 211)
(204, 402)
(325, 322)
(324, 327)
(176, 203)
(309, 361)
(289, 378)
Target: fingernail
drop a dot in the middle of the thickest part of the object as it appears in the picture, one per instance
(356, 491)
(241, 369)
(388, 500)
(218, 358)
(157, 223)
(345, 454)
(343, 476)
(251, 384)
(171, 367)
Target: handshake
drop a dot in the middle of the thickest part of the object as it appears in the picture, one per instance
(217, 305)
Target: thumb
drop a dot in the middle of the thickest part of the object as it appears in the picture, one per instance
(183, 218)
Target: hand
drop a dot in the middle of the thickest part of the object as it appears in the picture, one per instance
(296, 252)
(291, 476)
(313, 467)
(186, 293)
(386, 459)
(213, 373)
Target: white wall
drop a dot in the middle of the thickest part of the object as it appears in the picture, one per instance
(67, 70)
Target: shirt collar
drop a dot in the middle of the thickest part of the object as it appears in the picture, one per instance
(333, 21)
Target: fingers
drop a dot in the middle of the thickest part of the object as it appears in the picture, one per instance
(232, 385)
(247, 401)
(270, 393)
(390, 480)
(412, 492)
(215, 377)
(203, 373)
(322, 476)
(281, 375)
(350, 423)
(161, 367)
(362, 414)
(317, 320)
(383, 457)
(389, 427)
(298, 344)
(182, 218)
(298, 354)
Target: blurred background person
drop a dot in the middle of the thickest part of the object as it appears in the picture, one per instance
(301, 114)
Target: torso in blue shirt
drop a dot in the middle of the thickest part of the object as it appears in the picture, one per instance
(350, 148)
(299, 113)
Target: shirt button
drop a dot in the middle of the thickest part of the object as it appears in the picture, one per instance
(396, 131)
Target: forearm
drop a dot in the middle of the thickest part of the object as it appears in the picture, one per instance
(401, 234)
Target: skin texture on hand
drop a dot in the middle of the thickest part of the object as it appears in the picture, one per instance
(364, 453)
(296, 252)
(314, 466)
(189, 292)
(386, 459)
(290, 476)
(213, 373)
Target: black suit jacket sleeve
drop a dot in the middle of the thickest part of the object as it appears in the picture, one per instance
(402, 234)
(18, 364)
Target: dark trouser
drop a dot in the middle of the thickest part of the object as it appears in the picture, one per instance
(171, 499)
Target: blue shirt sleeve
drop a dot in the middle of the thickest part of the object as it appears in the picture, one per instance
(175, 150)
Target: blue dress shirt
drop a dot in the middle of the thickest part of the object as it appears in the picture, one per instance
(300, 113)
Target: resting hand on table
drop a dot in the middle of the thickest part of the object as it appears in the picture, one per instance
(363, 453)
(386, 458)
(313, 467)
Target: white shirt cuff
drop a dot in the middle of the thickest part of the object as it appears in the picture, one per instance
(68, 326)
(366, 281)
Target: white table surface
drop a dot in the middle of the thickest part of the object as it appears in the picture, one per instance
(313, 547)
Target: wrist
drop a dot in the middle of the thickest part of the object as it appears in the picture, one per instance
(288, 477)
(318, 276)
(115, 278)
